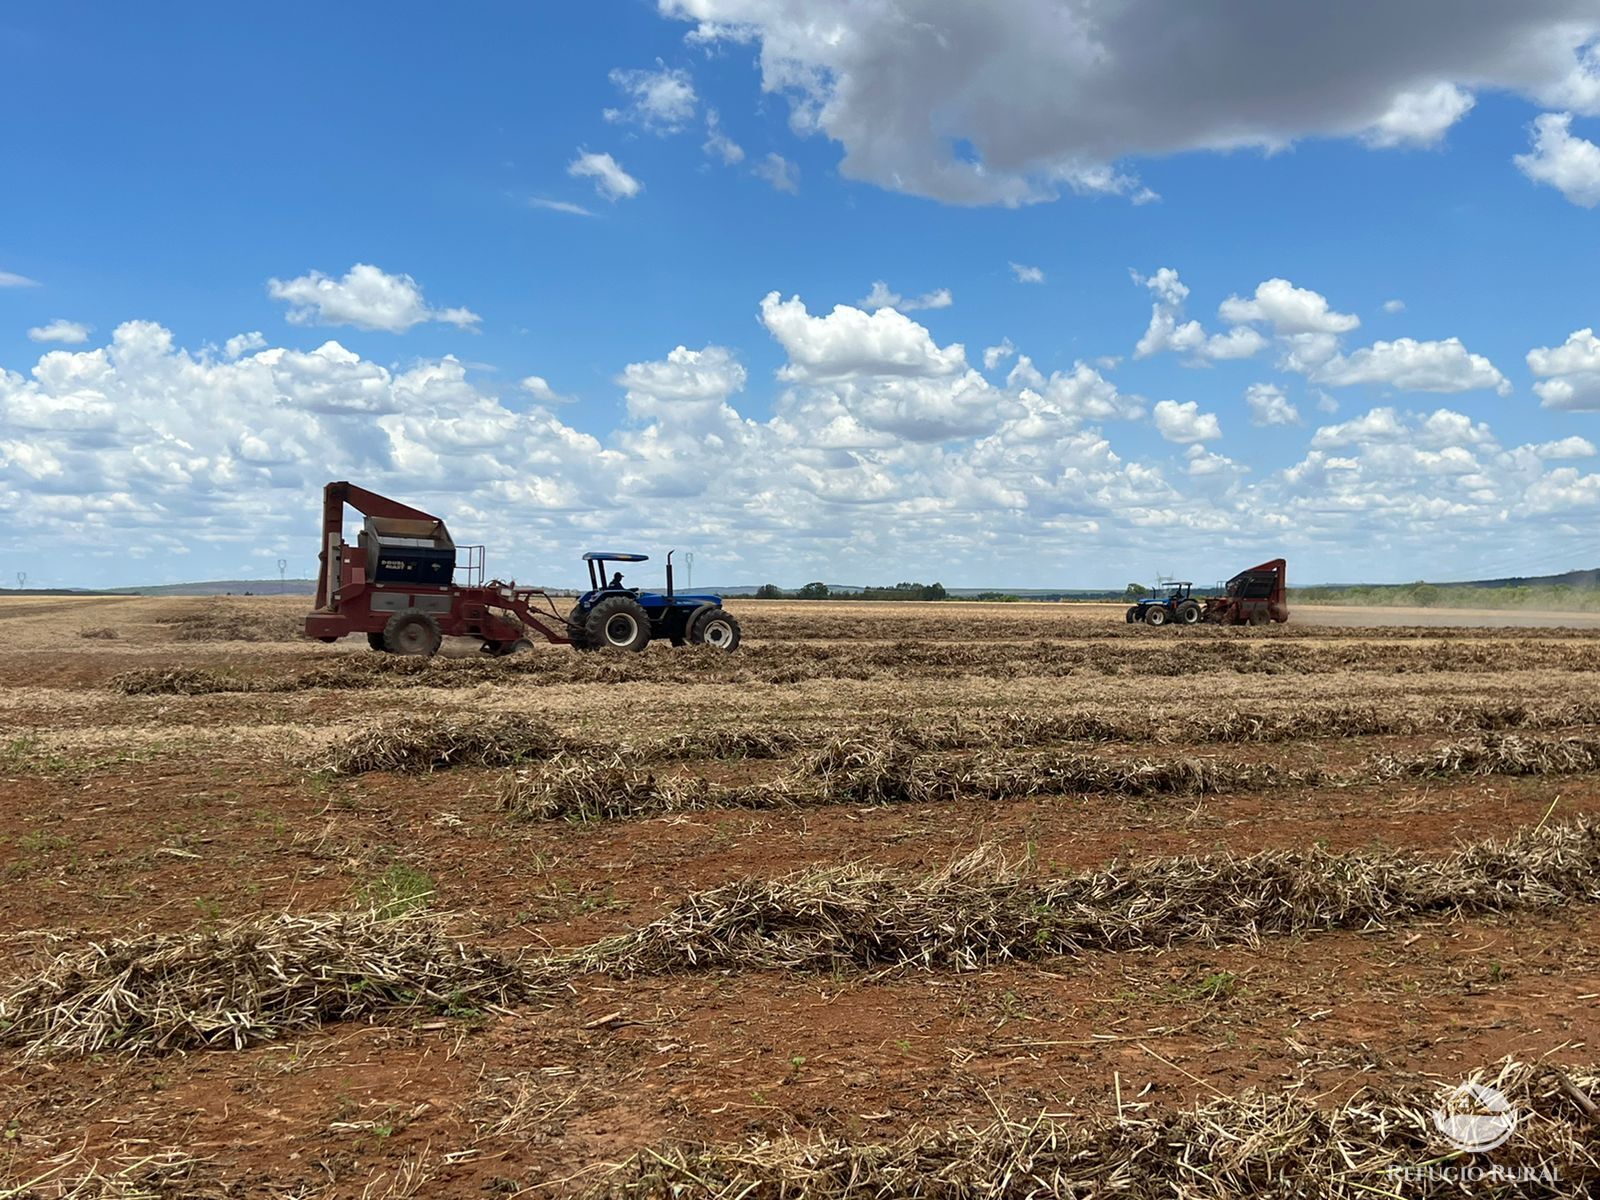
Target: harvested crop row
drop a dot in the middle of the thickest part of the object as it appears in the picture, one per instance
(259, 979)
(1504, 754)
(1020, 730)
(249, 981)
(979, 911)
(1253, 1144)
(847, 771)
(587, 787)
(439, 740)
(797, 662)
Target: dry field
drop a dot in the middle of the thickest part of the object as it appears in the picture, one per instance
(953, 900)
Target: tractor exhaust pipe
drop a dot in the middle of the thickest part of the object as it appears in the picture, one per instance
(670, 553)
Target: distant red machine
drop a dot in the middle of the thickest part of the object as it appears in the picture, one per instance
(397, 584)
(1252, 597)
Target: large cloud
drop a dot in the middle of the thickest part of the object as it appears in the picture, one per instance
(886, 454)
(984, 104)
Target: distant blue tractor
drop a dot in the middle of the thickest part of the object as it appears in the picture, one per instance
(612, 617)
(1177, 607)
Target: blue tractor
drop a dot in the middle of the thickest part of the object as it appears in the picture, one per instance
(1177, 607)
(611, 616)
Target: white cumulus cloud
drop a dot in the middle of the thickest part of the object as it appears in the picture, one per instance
(779, 172)
(1289, 310)
(1410, 365)
(1568, 374)
(882, 297)
(1564, 161)
(1269, 406)
(609, 179)
(662, 100)
(367, 298)
(1184, 423)
(1421, 117)
(71, 333)
(718, 144)
(1168, 331)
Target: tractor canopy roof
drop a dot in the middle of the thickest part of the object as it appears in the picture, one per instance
(608, 556)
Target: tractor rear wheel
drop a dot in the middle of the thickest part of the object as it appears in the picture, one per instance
(618, 623)
(412, 633)
(1155, 615)
(1133, 615)
(717, 628)
(375, 640)
(1188, 613)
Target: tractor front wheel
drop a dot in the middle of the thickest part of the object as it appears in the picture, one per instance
(412, 633)
(1155, 615)
(717, 628)
(576, 633)
(618, 623)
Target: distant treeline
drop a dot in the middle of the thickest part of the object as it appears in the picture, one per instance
(821, 591)
(1561, 597)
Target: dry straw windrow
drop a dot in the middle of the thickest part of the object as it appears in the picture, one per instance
(862, 772)
(1495, 754)
(888, 769)
(1382, 1142)
(1022, 730)
(431, 741)
(980, 911)
(797, 662)
(249, 981)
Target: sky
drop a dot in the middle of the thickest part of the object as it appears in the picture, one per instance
(1045, 294)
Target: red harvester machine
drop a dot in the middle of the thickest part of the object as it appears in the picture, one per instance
(1251, 597)
(397, 584)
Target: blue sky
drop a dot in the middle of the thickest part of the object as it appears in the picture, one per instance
(402, 213)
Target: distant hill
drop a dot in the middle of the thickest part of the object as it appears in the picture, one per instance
(210, 587)
(1578, 579)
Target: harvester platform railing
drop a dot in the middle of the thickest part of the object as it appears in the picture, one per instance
(469, 565)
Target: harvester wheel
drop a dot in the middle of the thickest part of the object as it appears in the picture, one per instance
(618, 623)
(1133, 615)
(717, 628)
(1188, 614)
(412, 633)
(375, 640)
(1155, 615)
